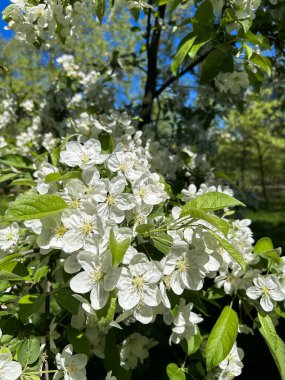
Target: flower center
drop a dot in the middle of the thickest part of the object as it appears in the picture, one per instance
(142, 192)
(60, 231)
(111, 200)
(265, 291)
(168, 280)
(86, 228)
(85, 158)
(122, 167)
(181, 265)
(71, 368)
(9, 236)
(89, 190)
(96, 277)
(74, 203)
(138, 283)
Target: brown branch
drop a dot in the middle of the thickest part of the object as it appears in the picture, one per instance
(187, 69)
(152, 52)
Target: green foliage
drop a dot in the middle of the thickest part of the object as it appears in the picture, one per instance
(34, 206)
(174, 372)
(212, 201)
(222, 337)
(274, 342)
(118, 248)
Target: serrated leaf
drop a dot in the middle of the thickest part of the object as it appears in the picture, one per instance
(64, 297)
(30, 304)
(118, 248)
(174, 372)
(29, 351)
(56, 177)
(231, 250)
(261, 61)
(220, 224)
(182, 51)
(217, 60)
(34, 206)
(212, 201)
(274, 343)
(162, 241)
(222, 337)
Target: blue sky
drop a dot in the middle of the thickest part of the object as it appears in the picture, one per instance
(3, 5)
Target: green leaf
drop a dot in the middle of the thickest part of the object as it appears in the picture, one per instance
(263, 245)
(274, 343)
(248, 49)
(257, 39)
(40, 274)
(194, 343)
(106, 315)
(217, 60)
(162, 241)
(173, 4)
(13, 271)
(107, 142)
(144, 228)
(34, 206)
(183, 49)
(174, 372)
(7, 177)
(221, 224)
(231, 250)
(118, 248)
(261, 61)
(56, 177)
(246, 24)
(212, 201)
(222, 337)
(205, 13)
(23, 182)
(30, 304)
(64, 297)
(16, 161)
(79, 340)
(100, 6)
(264, 248)
(29, 351)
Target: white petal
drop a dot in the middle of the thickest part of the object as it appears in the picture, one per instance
(81, 283)
(253, 292)
(128, 298)
(98, 296)
(266, 303)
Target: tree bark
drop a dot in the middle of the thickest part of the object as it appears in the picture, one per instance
(152, 53)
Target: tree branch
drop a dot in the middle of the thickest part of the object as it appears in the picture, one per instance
(187, 69)
(152, 51)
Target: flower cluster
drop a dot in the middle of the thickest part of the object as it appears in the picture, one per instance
(34, 24)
